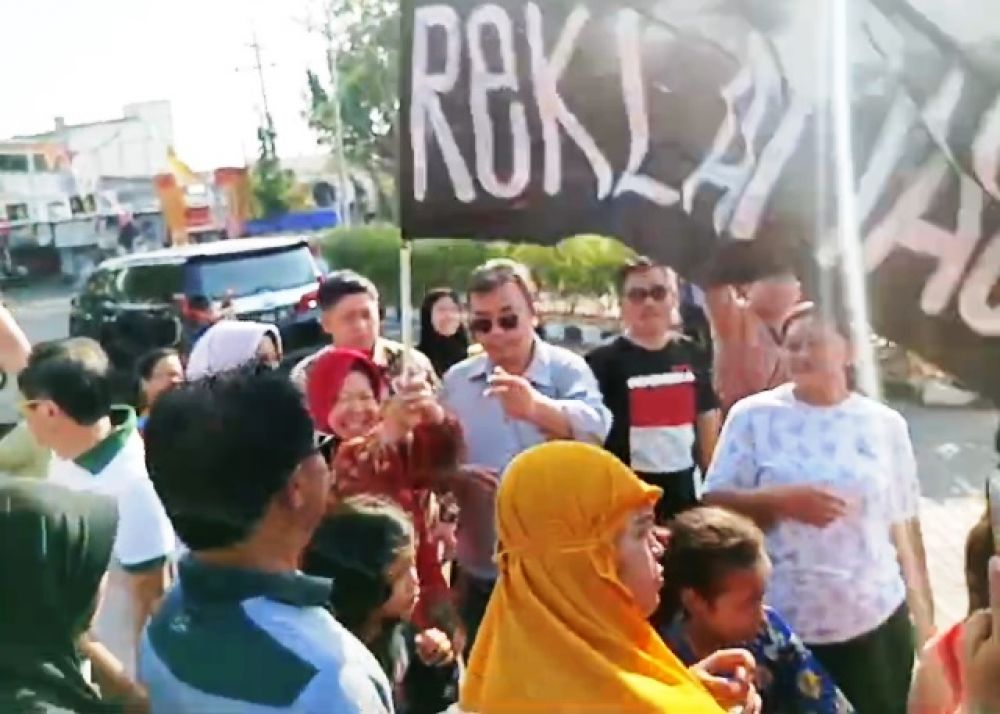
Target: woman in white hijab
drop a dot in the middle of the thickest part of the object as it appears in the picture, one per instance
(229, 344)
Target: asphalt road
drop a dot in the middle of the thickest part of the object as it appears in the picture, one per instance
(954, 447)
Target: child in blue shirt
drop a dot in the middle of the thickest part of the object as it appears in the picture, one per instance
(716, 572)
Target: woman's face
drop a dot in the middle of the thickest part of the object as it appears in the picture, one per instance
(166, 374)
(268, 352)
(356, 410)
(735, 614)
(816, 352)
(639, 556)
(446, 316)
(402, 576)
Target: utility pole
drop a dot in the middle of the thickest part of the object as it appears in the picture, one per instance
(343, 205)
(267, 134)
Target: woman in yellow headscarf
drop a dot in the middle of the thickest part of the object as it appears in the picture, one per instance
(566, 628)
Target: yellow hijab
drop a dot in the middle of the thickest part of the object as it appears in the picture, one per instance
(561, 633)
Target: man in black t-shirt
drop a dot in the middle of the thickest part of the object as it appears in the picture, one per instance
(658, 385)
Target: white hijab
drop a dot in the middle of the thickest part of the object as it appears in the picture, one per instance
(228, 344)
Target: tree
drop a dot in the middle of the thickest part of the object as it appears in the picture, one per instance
(275, 190)
(364, 38)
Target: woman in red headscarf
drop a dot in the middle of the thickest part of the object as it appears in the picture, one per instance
(403, 449)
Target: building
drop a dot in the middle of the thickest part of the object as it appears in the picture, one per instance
(36, 183)
(134, 145)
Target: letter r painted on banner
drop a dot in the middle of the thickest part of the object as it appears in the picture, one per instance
(425, 102)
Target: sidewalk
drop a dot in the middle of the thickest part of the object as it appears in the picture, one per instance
(945, 524)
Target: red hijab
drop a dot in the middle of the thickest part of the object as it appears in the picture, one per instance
(326, 379)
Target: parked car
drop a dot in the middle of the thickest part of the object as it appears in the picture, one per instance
(139, 302)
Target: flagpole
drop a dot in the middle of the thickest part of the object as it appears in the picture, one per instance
(848, 228)
(405, 301)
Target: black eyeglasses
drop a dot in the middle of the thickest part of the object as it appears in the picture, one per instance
(639, 295)
(484, 325)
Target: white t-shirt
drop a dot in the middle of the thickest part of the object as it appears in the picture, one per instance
(117, 467)
(836, 583)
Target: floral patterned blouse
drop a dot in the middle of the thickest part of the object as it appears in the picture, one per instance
(789, 678)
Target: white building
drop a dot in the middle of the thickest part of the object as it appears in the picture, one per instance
(36, 184)
(86, 169)
(134, 145)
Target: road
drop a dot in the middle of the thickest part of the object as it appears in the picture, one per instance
(43, 313)
(954, 448)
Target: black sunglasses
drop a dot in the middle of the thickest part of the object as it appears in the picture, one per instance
(484, 325)
(639, 295)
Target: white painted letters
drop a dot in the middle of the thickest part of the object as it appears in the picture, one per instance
(425, 103)
(551, 107)
(481, 82)
(634, 94)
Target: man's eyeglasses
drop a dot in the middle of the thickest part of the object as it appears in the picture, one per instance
(640, 295)
(484, 325)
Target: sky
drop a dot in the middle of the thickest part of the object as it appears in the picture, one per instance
(85, 59)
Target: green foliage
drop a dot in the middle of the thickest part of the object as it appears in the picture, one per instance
(366, 42)
(274, 190)
(583, 265)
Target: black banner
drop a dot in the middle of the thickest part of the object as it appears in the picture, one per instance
(684, 128)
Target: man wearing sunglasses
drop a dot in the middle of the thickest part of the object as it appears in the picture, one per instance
(657, 383)
(521, 391)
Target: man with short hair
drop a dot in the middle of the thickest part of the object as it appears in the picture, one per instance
(657, 383)
(349, 314)
(521, 391)
(66, 404)
(235, 461)
(746, 325)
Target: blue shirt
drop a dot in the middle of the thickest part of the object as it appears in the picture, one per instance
(789, 678)
(493, 440)
(245, 642)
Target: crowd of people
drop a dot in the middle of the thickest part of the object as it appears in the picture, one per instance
(489, 522)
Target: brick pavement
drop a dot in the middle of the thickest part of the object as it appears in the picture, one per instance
(946, 522)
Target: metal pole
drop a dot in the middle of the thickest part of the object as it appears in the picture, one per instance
(405, 306)
(343, 205)
(259, 66)
(848, 228)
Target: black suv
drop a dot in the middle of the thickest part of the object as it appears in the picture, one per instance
(139, 302)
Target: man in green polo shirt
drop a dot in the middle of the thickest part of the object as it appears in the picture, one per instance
(66, 404)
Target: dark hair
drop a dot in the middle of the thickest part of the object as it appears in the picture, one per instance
(705, 545)
(979, 548)
(638, 264)
(146, 365)
(200, 303)
(494, 274)
(74, 373)
(219, 449)
(355, 546)
(838, 317)
(342, 283)
(443, 352)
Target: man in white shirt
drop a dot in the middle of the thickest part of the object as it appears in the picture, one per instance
(66, 404)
